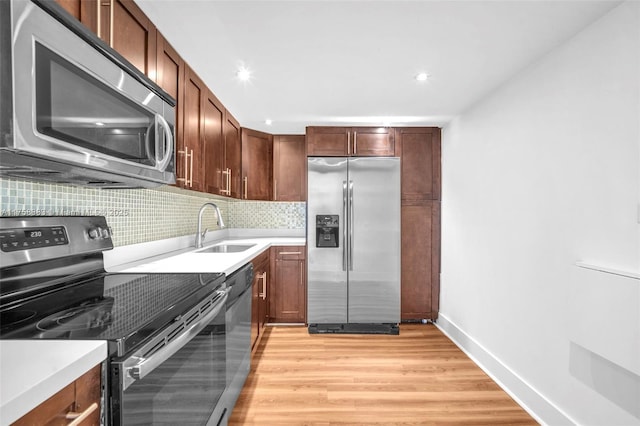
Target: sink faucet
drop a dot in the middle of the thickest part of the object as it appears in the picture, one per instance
(199, 233)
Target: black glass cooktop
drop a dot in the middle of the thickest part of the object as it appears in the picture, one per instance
(123, 309)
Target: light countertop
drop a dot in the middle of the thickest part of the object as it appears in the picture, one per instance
(31, 371)
(190, 260)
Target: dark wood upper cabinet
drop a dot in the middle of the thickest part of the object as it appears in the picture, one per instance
(192, 132)
(257, 165)
(170, 76)
(419, 150)
(350, 141)
(328, 141)
(232, 157)
(85, 11)
(132, 35)
(213, 143)
(123, 26)
(372, 142)
(289, 168)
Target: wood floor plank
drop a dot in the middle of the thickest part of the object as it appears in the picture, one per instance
(417, 378)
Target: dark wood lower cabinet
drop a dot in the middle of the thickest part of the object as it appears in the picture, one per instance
(420, 277)
(80, 398)
(289, 290)
(259, 297)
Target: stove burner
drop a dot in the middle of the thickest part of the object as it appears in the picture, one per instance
(15, 316)
(89, 316)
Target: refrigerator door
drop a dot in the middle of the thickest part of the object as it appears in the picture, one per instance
(374, 246)
(326, 263)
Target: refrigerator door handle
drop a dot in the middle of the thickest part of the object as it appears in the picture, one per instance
(351, 219)
(344, 225)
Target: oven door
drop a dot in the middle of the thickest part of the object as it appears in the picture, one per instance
(181, 382)
(74, 105)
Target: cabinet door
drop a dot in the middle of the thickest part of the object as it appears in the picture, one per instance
(372, 142)
(132, 35)
(289, 168)
(328, 141)
(194, 93)
(288, 298)
(213, 144)
(255, 307)
(265, 295)
(170, 77)
(260, 297)
(257, 157)
(85, 11)
(232, 156)
(419, 150)
(420, 257)
(81, 397)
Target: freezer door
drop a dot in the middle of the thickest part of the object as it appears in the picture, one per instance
(326, 265)
(374, 240)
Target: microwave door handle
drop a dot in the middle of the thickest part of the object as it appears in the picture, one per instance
(147, 365)
(147, 138)
(163, 162)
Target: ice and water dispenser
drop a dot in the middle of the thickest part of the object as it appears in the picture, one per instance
(327, 230)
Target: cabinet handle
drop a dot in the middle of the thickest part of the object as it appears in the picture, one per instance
(275, 190)
(245, 181)
(290, 252)
(301, 274)
(229, 181)
(349, 143)
(355, 142)
(99, 26)
(263, 277)
(186, 154)
(111, 16)
(80, 417)
(226, 190)
(191, 171)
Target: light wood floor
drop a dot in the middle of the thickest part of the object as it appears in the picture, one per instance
(419, 377)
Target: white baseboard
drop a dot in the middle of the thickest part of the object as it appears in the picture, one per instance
(539, 407)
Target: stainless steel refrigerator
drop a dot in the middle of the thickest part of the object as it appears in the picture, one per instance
(353, 237)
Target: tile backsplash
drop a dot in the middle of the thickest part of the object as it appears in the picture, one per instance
(141, 215)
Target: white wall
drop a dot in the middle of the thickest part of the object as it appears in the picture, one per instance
(541, 174)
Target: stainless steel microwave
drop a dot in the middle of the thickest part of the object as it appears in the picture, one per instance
(73, 110)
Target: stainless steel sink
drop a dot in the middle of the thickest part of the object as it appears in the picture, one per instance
(226, 248)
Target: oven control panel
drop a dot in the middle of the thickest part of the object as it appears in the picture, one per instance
(29, 238)
(25, 239)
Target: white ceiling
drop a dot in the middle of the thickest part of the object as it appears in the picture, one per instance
(353, 62)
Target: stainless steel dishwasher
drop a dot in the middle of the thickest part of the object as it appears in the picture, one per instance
(238, 335)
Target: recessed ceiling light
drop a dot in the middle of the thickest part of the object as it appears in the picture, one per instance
(268, 122)
(423, 76)
(99, 123)
(243, 74)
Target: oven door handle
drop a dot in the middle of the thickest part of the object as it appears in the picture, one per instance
(147, 365)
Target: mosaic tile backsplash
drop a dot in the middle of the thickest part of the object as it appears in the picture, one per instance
(141, 215)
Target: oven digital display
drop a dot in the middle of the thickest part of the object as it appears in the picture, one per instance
(20, 239)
